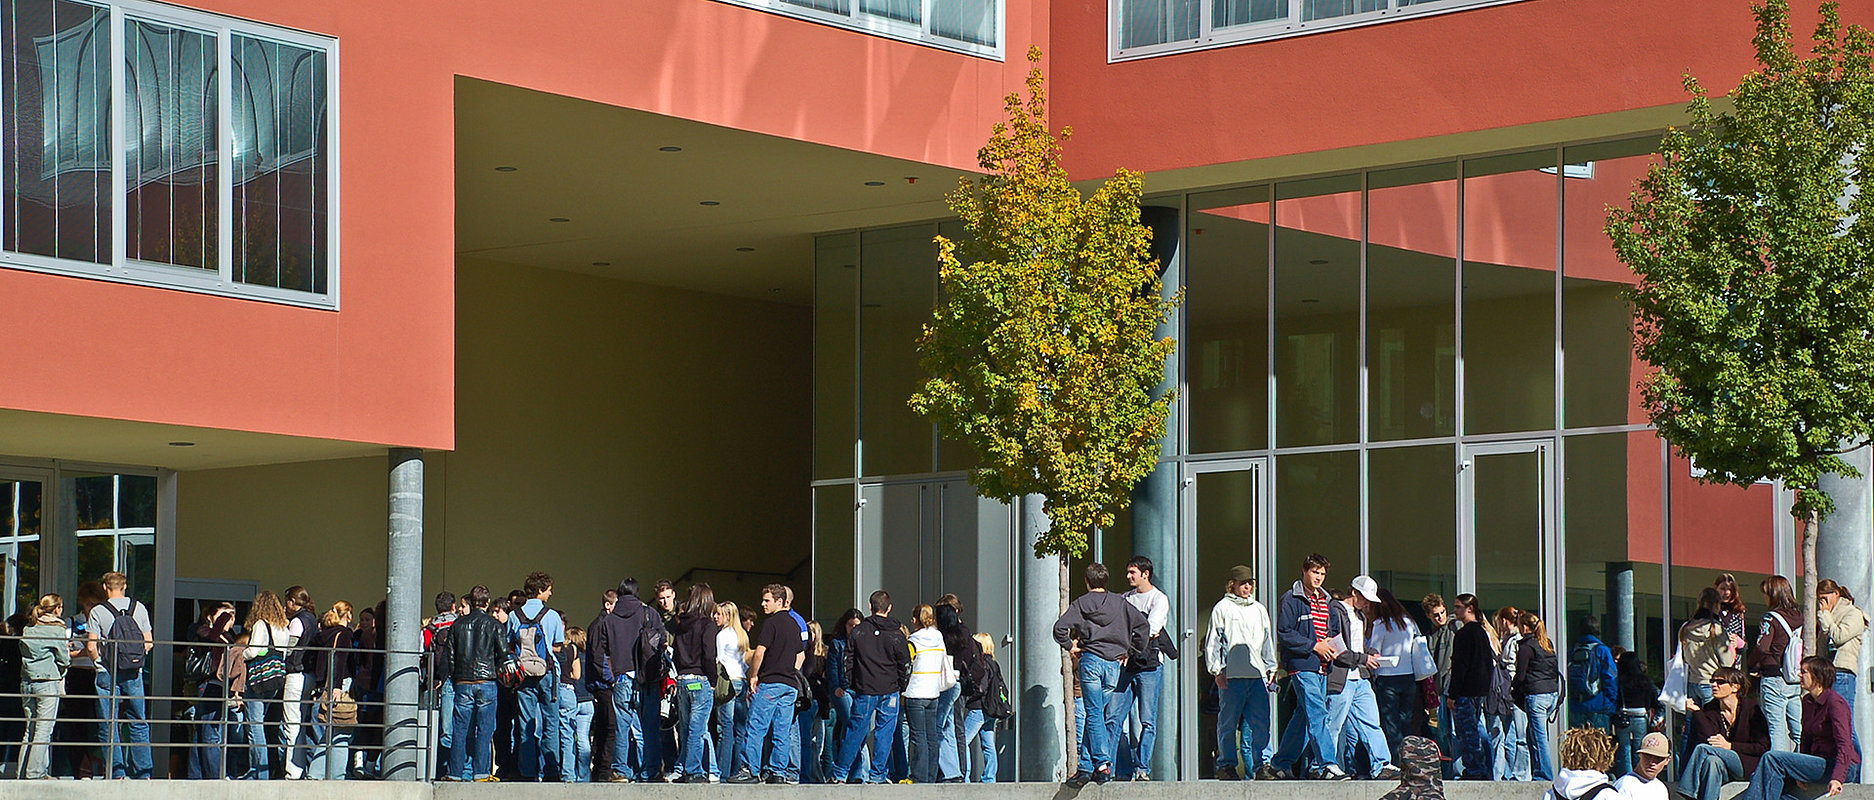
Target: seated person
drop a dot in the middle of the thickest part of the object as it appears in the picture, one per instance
(1587, 753)
(1728, 735)
(1827, 749)
(1643, 782)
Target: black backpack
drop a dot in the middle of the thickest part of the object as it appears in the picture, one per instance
(996, 703)
(651, 640)
(124, 648)
(199, 666)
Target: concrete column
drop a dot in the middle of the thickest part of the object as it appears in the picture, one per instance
(1043, 711)
(1155, 503)
(1844, 553)
(1618, 626)
(403, 630)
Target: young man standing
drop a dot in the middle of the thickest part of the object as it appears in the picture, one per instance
(1307, 624)
(476, 650)
(613, 640)
(599, 683)
(878, 664)
(1439, 641)
(1106, 632)
(441, 689)
(119, 638)
(539, 721)
(664, 597)
(1239, 650)
(779, 652)
(1143, 677)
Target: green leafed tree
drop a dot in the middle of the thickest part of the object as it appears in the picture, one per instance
(1755, 301)
(1043, 351)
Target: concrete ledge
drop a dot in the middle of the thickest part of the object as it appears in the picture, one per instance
(372, 790)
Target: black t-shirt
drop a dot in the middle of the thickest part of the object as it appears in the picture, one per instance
(783, 636)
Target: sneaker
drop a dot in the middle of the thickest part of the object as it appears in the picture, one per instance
(487, 779)
(1103, 776)
(617, 778)
(1387, 773)
(743, 776)
(1227, 773)
(1333, 773)
(1079, 779)
(694, 779)
(1141, 775)
(1267, 773)
(714, 778)
(673, 777)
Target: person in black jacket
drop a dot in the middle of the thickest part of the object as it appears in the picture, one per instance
(616, 639)
(967, 657)
(1472, 659)
(1105, 631)
(330, 659)
(878, 665)
(1537, 686)
(477, 649)
(1639, 699)
(1729, 734)
(693, 659)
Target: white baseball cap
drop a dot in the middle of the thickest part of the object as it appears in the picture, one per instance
(1367, 587)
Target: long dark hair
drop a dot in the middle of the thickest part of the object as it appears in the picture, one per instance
(701, 603)
(1777, 592)
(1710, 603)
(1728, 581)
(1390, 610)
(845, 621)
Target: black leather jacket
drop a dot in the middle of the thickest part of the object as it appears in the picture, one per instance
(477, 647)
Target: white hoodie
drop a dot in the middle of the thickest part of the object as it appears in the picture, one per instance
(1240, 642)
(1576, 784)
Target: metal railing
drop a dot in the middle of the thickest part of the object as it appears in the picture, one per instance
(213, 730)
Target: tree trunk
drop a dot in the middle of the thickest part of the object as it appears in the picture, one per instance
(1068, 681)
(1810, 623)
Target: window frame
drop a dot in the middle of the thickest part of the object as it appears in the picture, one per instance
(120, 268)
(1209, 38)
(915, 33)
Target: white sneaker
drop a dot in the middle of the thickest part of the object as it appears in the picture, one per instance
(1333, 772)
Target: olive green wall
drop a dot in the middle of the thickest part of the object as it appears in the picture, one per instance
(603, 429)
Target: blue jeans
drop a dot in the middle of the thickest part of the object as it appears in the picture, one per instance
(582, 740)
(1137, 697)
(1307, 729)
(320, 766)
(1354, 716)
(628, 751)
(1782, 712)
(1243, 725)
(651, 724)
(1398, 697)
(1707, 770)
(925, 738)
(1779, 768)
(1098, 678)
(127, 686)
(571, 739)
(982, 730)
(472, 746)
(445, 723)
(808, 744)
(1508, 752)
(1538, 707)
(1467, 724)
(696, 695)
(258, 759)
(949, 764)
(1845, 686)
(537, 731)
(874, 714)
(1629, 730)
(207, 758)
(731, 723)
(1084, 758)
(1699, 693)
(771, 726)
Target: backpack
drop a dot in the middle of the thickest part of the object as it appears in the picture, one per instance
(996, 703)
(1792, 652)
(651, 641)
(441, 660)
(530, 648)
(199, 666)
(125, 648)
(1584, 674)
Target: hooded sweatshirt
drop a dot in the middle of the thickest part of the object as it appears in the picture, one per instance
(1845, 625)
(616, 637)
(1420, 777)
(1582, 784)
(1106, 625)
(877, 659)
(1240, 643)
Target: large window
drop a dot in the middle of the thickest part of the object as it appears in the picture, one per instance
(1143, 28)
(966, 26)
(158, 145)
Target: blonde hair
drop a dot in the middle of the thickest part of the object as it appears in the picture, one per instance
(1587, 748)
(267, 609)
(576, 636)
(1532, 625)
(338, 614)
(735, 623)
(925, 615)
(48, 606)
(115, 581)
(816, 641)
(988, 644)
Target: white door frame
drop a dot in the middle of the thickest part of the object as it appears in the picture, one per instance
(1549, 542)
(1190, 602)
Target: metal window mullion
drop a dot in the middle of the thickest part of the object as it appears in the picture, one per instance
(1560, 233)
(1361, 404)
(1466, 549)
(120, 183)
(224, 156)
(1268, 362)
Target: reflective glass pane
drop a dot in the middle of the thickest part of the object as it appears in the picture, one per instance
(1718, 529)
(901, 10)
(171, 116)
(841, 7)
(26, 576)
(96, 556)
(140, 567)
(972, 21)
(1325, 9)
(1317, 311)
(1317, 510)
(835, 351)
(833, 590)
(280, 165)
(136, 501)
(57, 90)
(1600, 374)
(1412, 230)
(1226, 310)
(1143, 22)
(892, 543)
(1509, 293)
(1224, 13)
(95, 502)
(897, 286)
(1508, 518)
(1412, 530)
(1227, 528)
(1612, 528)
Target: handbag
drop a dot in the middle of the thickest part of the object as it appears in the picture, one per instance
(947, 676)
(338, 707)
(725, 688)
(1674, 695)
(1423, 666)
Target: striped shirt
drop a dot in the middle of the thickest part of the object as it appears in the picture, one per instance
(1318, 609)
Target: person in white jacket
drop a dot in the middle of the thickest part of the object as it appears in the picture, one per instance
(1239, 649)
(1587, 754)
(1353, 712)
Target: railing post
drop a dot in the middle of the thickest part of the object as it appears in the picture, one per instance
(322, 703)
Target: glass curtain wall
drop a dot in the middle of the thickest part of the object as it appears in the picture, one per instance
(1371, 364)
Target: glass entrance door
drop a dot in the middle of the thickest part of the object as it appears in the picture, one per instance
(1224, 524)
(23, 510)
(1508, 512)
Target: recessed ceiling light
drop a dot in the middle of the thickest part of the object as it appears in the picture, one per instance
(558, 219)
(506, 168)
(744, 249)
(1311, 300)
(709, 203)
(875, 183)
(601, 263)
(181, 444)
(775, 290)
(1317, 261)
(670, 148)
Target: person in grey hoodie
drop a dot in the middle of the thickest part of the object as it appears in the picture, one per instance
(45, 659)
(1105, 631)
